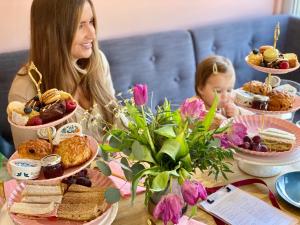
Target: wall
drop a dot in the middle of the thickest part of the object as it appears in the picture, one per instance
(120, 18)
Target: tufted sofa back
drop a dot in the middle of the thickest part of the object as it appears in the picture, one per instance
(167, 61)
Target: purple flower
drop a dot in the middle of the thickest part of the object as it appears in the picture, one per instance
(193, 108)
(192, 191)
(169, 208)
(234, 135)
(140, 94)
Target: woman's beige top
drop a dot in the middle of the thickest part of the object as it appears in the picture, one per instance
(23, 89)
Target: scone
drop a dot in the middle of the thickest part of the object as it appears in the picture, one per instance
(257, 87)
(74, 151)
(280, 101)
(34, 149)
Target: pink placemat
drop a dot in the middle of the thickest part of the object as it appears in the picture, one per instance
(184, 220)
(120, 181)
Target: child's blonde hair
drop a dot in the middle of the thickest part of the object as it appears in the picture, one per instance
(205, 69)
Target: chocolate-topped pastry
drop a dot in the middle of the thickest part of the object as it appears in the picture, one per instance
(53, 111)
(33, 104)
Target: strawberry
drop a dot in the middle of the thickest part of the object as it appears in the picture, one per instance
(34, 121)
(70, 105)
(284, 65)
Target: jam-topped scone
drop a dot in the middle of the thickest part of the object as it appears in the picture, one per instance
(34, 149)
(54, 104)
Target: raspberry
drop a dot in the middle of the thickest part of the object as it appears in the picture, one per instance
(70, 105)
(34, 121)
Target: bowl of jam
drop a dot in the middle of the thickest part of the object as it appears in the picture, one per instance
(260, 102)
(52, 166)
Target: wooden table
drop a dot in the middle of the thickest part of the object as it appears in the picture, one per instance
(138, 215)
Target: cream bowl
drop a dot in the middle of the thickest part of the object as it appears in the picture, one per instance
(25, 169)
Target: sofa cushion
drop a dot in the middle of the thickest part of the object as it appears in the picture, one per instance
(10, 63)
(236, 40)
(164, 61)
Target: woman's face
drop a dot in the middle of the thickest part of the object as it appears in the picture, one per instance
(82, 45)
(222, 84)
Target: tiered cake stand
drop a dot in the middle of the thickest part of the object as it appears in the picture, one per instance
(267, 165)
(98, 179)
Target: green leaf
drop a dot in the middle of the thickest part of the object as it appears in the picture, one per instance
(193, 211)
(126, 169)
(184, 149)
(104, 168)
(108, 148)
(141, 152)
(166, 131)
(209, 117)
(171, 147)
(112, 195)
(136, 168)
(160, 182)
(187, 162)
(152, 170)
(214, 143)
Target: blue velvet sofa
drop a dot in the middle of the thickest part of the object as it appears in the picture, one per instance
(167, 61)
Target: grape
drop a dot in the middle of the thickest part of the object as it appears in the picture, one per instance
(84, 181)
(69, 180)
(263, 148)
(82, 173)
(256, 139)
(247, 145)
(256, 147)
(247, 139)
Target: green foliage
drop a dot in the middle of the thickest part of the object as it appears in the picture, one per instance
(162, 146)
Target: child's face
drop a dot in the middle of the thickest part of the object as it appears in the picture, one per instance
(222, 84)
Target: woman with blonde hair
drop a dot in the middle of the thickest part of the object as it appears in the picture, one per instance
(64, 48)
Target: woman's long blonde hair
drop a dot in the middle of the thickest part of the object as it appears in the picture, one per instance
(53, 27)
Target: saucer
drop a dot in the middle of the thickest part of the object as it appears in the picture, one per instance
(288, 186)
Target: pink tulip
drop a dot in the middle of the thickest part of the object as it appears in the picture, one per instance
(192, 191)
(193, 108)
(140, 94)
(169, 208)
(234, 135)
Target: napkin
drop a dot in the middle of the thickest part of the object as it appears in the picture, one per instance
(184, 220)
(118, 178)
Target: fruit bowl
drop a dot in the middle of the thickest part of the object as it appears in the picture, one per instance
(255, 122)
(271, 70)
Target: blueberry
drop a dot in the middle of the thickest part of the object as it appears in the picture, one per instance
(27, 110)
(255, 51)
(35, 108)
(36, 98)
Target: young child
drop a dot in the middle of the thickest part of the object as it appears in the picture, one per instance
(216, 74)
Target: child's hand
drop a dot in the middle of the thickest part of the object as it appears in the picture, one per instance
(231, 110)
